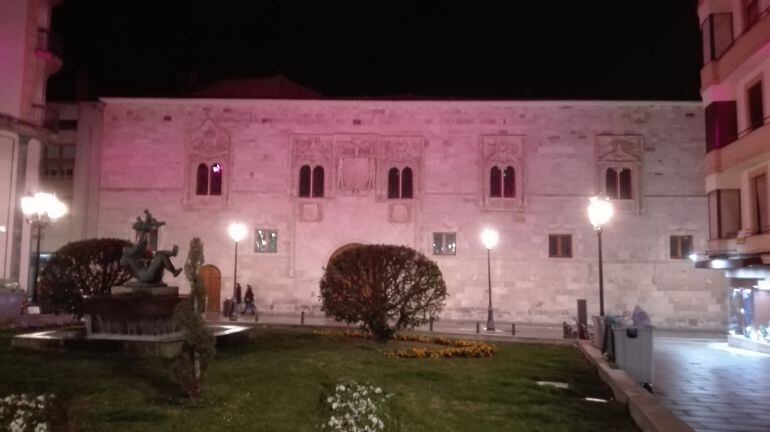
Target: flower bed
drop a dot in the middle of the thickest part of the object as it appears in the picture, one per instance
(356, 408)
(455, 347)
(23, 413)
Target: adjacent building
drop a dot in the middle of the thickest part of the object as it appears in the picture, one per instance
(29, 54)
(313, 177)
(736, 51)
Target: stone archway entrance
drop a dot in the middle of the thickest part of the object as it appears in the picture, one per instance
(212, 280)
(341, 249)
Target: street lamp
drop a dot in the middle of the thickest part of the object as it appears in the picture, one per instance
(599, 213)
(40, 209)
(489, 237)
(237, 232)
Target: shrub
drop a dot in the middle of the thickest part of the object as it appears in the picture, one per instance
(385, 288)
(81, 268)
(199, 345)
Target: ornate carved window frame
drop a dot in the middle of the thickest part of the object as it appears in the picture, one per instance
(620, 152)
(400, 152)
(314, 151)
(502, 150)
(208, 144)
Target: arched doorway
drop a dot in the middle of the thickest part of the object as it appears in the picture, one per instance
(212, 280)
(343, 248)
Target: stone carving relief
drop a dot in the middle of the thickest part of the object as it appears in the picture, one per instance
(399, 152)
(355, 164)
(210, 140)
(312, 150)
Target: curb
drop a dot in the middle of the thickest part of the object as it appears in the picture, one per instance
(646, 411)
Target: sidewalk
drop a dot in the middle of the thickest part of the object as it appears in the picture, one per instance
(502, 329)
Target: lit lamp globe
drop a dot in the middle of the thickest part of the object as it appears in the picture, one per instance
(489, 237)
(600, 211)
(237, 231)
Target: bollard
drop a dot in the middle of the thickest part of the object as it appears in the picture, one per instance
(477, 327)
(513, 329)
(302, 318)
(431, 324)
(582, 320)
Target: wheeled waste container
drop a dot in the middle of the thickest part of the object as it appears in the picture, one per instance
(633, 352)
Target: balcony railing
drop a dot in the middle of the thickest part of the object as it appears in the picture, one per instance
(49, 43)
(752, 128)
(45, 117)
(764, 14)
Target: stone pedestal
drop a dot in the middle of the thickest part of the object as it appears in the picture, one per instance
(132, 311)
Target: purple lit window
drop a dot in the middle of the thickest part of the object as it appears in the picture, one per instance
(394, 180)
(304, 181)
(202, 180)
(318, 181)
(216, 179)
(494, 182)
(618, 185)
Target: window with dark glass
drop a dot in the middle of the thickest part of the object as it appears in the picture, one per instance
(400, 183)
(721, 124)
(202, 180)
(760, 203)
(680, 246)
(756, 105)
(750, 13)
(560, 245)
(495, 176)
(509, 182)
(394, 178)
(304, 181)
(724, 213)
(502, 182)
(266, 241)
(444, 243)
(318, 181)
(618, 185)
(406, 183)
(216, 179)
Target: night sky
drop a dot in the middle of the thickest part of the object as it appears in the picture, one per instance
(512, 49)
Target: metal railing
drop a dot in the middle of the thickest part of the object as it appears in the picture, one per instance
(46, 117)
(764, 14)
(751, 129)
(48, 41)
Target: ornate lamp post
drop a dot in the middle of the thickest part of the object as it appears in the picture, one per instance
(237, 232)
(599, 213)
(489, 237)
(40, 209)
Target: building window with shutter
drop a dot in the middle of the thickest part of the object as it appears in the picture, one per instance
(756, 109)
(560, 245)
(680, 246)
(759, 189)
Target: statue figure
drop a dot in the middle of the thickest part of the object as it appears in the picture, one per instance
(148, 268)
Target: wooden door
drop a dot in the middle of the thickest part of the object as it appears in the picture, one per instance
(212, 279)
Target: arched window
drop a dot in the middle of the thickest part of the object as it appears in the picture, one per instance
(304, 181)
(202, 180)
(216, 179)
(618, 185)
(611, 183)
(318, 181)
(394, 178)
(509, 182)
(625, 183)
(494, 183)
(406, 183)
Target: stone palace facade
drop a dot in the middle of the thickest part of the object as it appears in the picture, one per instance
(311, 177)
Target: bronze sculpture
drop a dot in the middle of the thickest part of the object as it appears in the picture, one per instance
(145, 266)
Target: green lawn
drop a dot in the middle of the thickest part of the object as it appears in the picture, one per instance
(275, 383)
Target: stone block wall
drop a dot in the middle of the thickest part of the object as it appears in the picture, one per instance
(150, 147)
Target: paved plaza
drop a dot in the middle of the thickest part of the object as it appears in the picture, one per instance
(711, 386)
